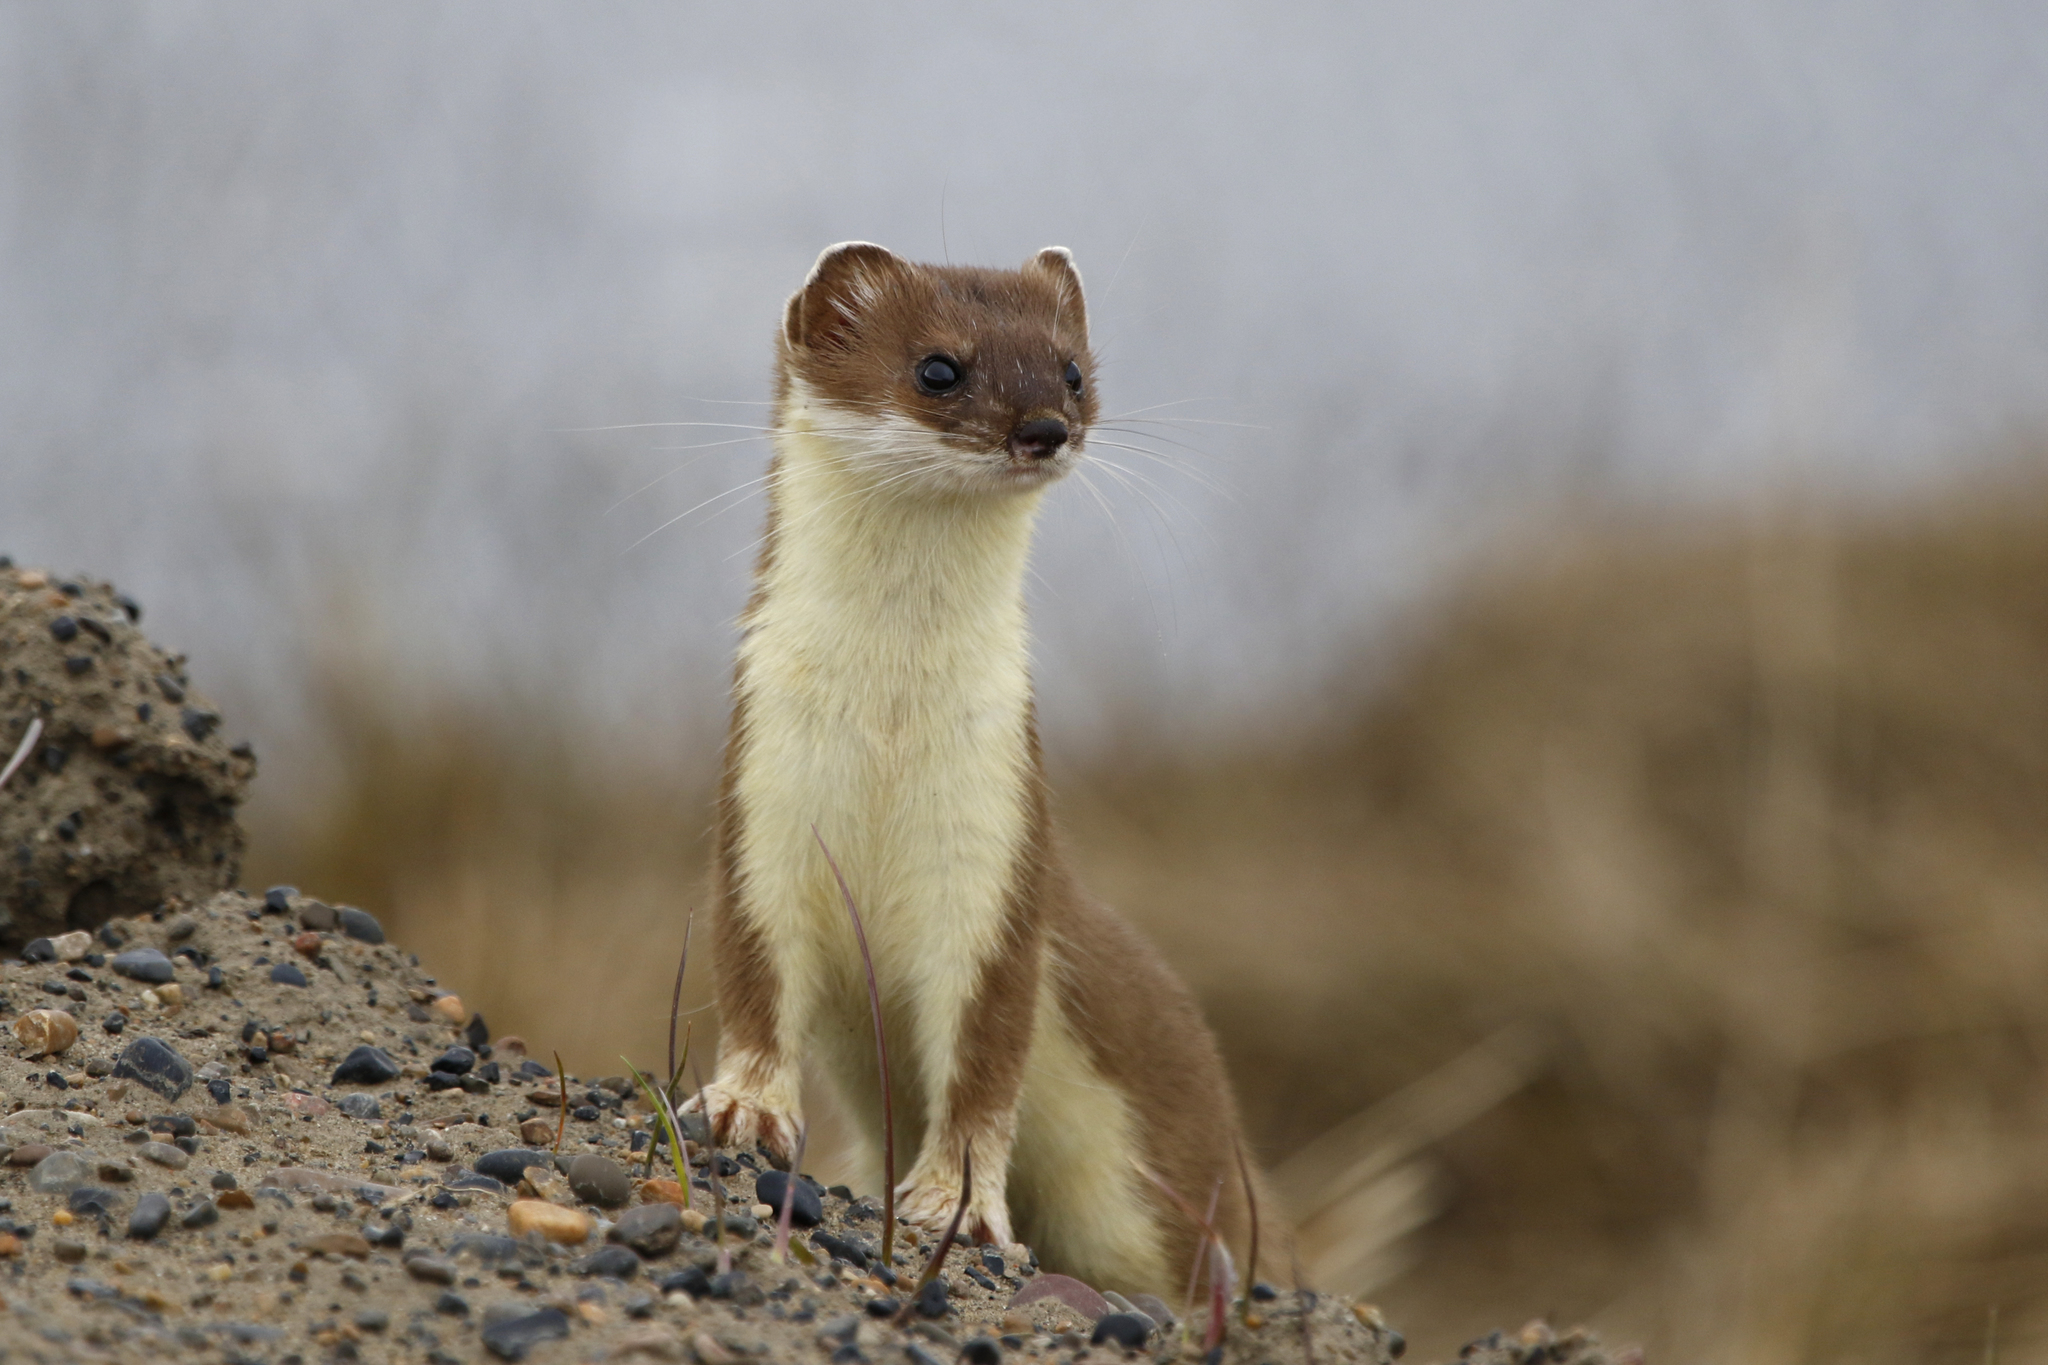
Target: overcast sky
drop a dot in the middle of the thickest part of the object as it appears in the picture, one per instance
(303, 307)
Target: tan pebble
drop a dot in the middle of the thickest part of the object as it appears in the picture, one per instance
(1368, 1314)
(655, 1339)
(155, 1301)
(62, 1218)
(282, 1043)
(228, 1118)
(46, 1031)
(511, 1043)
(32, 579)
(107, 737)
(709, 1352)
(171, 996)
(694, 1221)
(536, 1130)
(661, 1192)
(234, 1199)
(338, 1244)
(449, 1007)
(542, 1183)
(301, 1103)
(367, 1036)
(220, 1274)
(1254, 1321)
(569, 1227)
(762, 1212)
(10, 1245)
(1016, 1324)
(72, 947)
(593, 1314)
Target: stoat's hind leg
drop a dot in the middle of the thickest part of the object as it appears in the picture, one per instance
(1081, 1200)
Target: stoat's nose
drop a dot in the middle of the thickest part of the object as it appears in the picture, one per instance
(1038, 439)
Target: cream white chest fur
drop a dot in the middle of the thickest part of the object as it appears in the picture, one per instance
(887, 692)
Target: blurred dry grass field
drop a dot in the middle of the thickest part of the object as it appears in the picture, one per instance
(1664, 944)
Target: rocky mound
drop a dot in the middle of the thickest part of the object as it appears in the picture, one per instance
(126, 799)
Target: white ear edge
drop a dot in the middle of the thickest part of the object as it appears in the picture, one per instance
(818, 266)
(1048, 255)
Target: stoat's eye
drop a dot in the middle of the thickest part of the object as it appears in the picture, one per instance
(938, 374)
(1074, 378)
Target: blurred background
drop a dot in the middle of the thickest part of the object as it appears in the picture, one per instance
(1559, 656)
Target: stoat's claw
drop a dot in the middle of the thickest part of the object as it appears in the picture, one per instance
(739, 1121)
(930, 1207)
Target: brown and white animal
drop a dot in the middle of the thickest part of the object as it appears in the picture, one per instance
(883, 696)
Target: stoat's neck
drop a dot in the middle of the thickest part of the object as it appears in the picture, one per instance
(870, 575)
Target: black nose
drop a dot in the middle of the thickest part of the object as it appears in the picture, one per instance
(1039, 439)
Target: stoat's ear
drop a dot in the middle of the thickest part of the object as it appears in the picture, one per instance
(1058, 263)
(842, 286)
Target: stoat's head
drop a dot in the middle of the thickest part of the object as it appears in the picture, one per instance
(940, 378)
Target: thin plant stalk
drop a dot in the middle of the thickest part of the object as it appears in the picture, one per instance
(665, 1115)
(675, 1005)
(1206, 1224)
(561, 1089)
(796, 1166)
(711, 1173)
(1251, 1204)
(24, 749)
(667, 1103)
(938, 1260)
(1222, 1278)
(881, 1061)
(1305, 1299)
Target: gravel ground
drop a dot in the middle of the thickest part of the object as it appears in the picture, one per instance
(306, 1219)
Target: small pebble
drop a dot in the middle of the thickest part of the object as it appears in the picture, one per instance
(155, 1064)
(808, 1210)
(278, 899)
(432, 1269)
(372, 1320)
(360, 925)
(201, 1214)
(287, 974)
(508, 1164)
(70, 1253)
(650, 1229)
(511, 1338)
(452, 1303)
(59, 1173)
(366, 1065)
(616, 1262)
(64, 628)
(981, 1351)
(599, 1180)
(456, 1061)
(931, 1300)
(318, 917)
(360, 1106)
(1127, 1330)
(569, 1227)
(152, 1211)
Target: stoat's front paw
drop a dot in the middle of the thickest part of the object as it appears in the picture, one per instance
(739, 1120)
(930, 1204)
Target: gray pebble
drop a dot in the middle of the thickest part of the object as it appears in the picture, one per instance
(361, 1106)
(650, 1229)
(432, 1269)
(144, 964)
(152, 1211)
(156, 1064)
(599, 1180)
(59, 1173)
(201, 1214)
(163, 1154)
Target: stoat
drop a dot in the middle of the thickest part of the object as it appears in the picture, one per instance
(883, 697)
